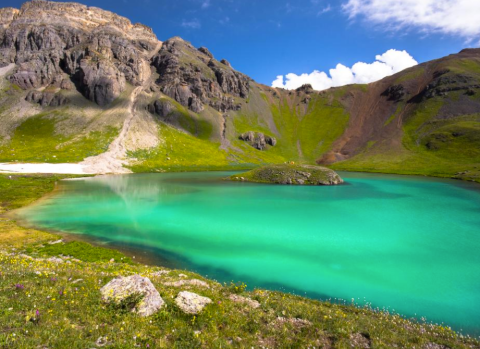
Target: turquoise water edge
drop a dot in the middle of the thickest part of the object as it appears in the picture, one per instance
(407, 244)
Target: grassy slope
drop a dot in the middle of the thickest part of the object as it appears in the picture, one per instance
(430, 146)
(36, 140)
(72, 314)
(305, 131)
(64, 134)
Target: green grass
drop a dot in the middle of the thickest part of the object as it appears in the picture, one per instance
(179, 150)
(459, 142)
(189, 121)
(44, 303)
(36, 140)
(83, 251)
(21, 190)
(321, 126)
(413, 74)
(304, 134)
(17, 191)
(465, 65)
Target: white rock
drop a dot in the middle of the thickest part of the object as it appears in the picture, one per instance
(55, 242)
(239, 299)
(191, 303)
(121, 288)
(193, 282)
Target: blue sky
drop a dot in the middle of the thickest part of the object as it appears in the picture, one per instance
(267, 38)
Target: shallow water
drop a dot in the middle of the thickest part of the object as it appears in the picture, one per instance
(409, 244)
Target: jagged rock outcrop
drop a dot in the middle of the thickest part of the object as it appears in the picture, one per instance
(206, 51)
(100, 81)
(395, 93)
(194, 79)
(230, 81)
(307, 88)
(48, 39)
(47, 99)
(450, 82)
(6, 16)
(225, 104)
(258, 140)
(225, 62)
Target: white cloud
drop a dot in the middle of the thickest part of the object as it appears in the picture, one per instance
(454, 17)
(193, 24)
(206, 4)
(324, 10)
(389, 63)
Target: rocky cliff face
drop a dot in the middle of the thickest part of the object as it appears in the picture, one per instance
(54, 43)
(194, 78)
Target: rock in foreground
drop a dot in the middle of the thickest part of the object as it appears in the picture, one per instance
(291, 174)
(123, 289)
(191, 303)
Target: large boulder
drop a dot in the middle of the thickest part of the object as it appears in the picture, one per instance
(122, 289)
(191, 303)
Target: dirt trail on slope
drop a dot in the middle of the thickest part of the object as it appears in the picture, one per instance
(113, 160)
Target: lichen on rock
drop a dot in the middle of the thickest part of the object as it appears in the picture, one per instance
(191, 303)
(121, 289)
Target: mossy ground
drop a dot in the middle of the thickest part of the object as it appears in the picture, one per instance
(179, 150)
(44, 303)
(36, 140)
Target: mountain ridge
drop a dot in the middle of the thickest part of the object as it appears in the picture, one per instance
(103, 89)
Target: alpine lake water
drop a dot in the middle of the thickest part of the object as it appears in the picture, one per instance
(410, 245)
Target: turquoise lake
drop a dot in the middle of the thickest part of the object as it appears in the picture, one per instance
(406, 244)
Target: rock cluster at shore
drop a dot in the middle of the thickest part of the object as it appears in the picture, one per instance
(291, 174)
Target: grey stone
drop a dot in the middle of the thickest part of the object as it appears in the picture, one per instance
(248, 301)
(258, 140)
(191, 303)
(122, 288)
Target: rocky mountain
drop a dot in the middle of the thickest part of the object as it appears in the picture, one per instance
(80, 84)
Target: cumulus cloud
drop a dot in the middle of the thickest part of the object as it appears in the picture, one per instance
(454, 17)
(389, 63)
